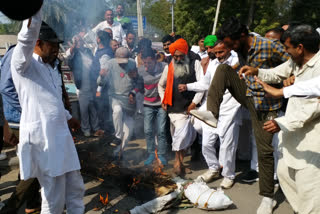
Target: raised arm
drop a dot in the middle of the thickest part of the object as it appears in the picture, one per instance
(27, 38)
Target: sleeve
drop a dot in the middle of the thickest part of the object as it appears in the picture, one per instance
(277, 74)
(27, 38)
(69, 55)
(123, 37)
(309, 109)
(97, 28)
(162, 82)
(104, 59)
(309, 88)
(102, 80)
(279, 52)
(199, 73)
(202, 85)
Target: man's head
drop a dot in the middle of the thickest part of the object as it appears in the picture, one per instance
(233, 34)
(201, 44)
(221, 52)
(179, 50)
(122, 56)
(144, 43)
(300, 41)
(166, 41)
(131, 38)
(47, 46)
(209, 43)
(109, 31)
(274, 33)
(109, 16)
(103, 38)
(149, 59)
(120, 10)
(114, 45)
(78, 41)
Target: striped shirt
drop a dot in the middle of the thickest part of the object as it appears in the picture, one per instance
(264, 53)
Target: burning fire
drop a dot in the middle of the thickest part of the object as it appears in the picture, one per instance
(158, 166)
(135, 182)
(104, 201)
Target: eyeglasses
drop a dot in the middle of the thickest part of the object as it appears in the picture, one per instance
(178, 56)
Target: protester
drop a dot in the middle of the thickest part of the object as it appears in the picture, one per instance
(143, 44)
(124, 21)
(155, 117)
(131, 38)
(258, 52)
(209, 43)
(228, 129)
(122, 79)
(200, 49)
(166, 41)
(80, 62)
(117, 31)
(274, 33)
(109, 31)
(299, 166)
(181, 70)
(46, 149)
(114, 45)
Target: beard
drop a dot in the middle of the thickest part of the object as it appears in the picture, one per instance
(211, 55)
(181, 67)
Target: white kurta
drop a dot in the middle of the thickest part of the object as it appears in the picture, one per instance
(46, 146)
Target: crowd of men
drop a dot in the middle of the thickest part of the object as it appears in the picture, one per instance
(186, 95)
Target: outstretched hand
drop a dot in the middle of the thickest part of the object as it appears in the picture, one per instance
(247, 71)
(271, 91)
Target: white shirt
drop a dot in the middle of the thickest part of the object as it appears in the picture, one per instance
(196, 49)
(46, 146)
(117, 31)
(308, 89)
(229, 106)
(300, 127)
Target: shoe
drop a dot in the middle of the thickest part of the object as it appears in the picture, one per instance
(163, 160)
(150, 159)
(251, 177)
(208, 176)
(99, 133)
(87, 134)
(3, 156)
(227, 183)
(266, 206)
(116, 142)
(205, 116)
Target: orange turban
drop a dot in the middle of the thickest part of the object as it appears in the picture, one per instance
(180, 45)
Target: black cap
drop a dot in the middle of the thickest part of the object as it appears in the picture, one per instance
(20, 9)
(48, 34)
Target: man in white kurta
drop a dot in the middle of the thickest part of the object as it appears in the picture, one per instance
(46, 149)
(228, 124)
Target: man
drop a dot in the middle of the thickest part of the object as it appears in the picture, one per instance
(228, 129)
(46, 149)
(80, 61)
(200, 49)
(130, 38)
(109, 31)
(258, 52)
(155, 117)
(274, 33)
(117, 30)
(181, 70)
(299, 168)
(122, 80)
(114, 45)
(124, 21)
(166, 42)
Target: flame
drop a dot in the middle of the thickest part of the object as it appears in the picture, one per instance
(158, 167)
(104, 201)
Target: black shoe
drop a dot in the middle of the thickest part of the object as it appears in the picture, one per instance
(250, 177)
(115, 142)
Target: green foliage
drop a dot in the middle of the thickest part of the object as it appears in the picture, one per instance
(10, 28)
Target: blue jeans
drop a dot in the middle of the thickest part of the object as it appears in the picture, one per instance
(155, 119)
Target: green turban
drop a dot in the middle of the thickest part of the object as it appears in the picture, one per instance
(210, 40)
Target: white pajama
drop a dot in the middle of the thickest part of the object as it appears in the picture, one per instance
(183, 133)
(228, 148)
(123, 123)
(67, 189)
